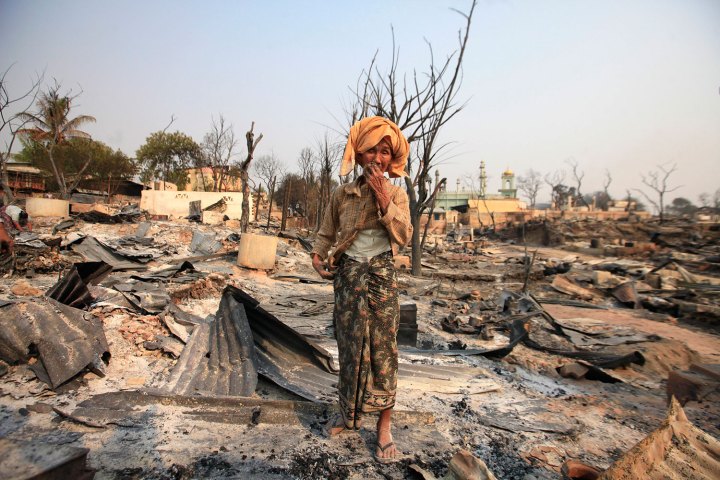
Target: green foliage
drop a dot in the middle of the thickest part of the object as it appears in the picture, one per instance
(106, 167)
(682, 206)
(165, 156)
(602, 200)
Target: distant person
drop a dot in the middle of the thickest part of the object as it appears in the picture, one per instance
(15, 218)
(365, 224)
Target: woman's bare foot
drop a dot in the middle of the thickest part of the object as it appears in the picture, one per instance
(386, 450)
(336, 425)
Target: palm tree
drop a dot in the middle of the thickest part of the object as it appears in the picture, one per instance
(52, 127)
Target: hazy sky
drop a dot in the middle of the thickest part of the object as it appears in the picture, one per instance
(618, 84)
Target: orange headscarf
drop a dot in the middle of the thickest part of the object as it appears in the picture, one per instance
(367, 133)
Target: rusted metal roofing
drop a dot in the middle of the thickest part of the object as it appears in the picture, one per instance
(66, 340)
(36, 459)
(72, 288)
(220, 357)
(94, 251)
(281, 354)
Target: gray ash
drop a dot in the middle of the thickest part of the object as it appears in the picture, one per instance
(211, 466)
(462, 408)
(500, 454)
(315, 463)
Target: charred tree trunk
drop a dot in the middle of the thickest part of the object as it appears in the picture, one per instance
(257, 203)
(431, 210)
(416, 256)
(244, 167)
(286, 201)
(270, 202)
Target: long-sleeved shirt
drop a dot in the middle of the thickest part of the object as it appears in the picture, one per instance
(353, 208)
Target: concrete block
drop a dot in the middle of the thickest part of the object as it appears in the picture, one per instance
(102, 208)
(257, 251)
(80, 207)
(212, 218)
(47, 207)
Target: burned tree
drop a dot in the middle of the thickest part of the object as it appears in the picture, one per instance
(606, 184)
(218, 148)
(252, 143)
(704, 199)
(578, 175)
(306, 164)
(11, 122)
(658, 181)
(420, 108)
(530, 185)
(555, 181)
(328, 158)
(438, 187)
(268, 168)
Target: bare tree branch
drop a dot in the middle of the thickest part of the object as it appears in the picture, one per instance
(578, 175)
(606, 183)
(172, 120)
(12, 121)
(530, 185)
(251, 143)
(658, 181)
(218, 147)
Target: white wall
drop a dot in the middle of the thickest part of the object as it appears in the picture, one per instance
(177, 204)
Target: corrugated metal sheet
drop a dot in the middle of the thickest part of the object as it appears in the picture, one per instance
(94, 251)
(72, 288)
(220, 358)
(67, 340)
(36, 459)
(283, 356)
(204, 243)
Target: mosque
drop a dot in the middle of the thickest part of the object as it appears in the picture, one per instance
(477, 207)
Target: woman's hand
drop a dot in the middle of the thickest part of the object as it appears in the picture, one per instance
(376, 181)
(325, 270)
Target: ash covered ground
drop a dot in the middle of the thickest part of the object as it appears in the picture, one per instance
(524, 413)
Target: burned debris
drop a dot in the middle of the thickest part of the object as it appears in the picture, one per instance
(514, 361)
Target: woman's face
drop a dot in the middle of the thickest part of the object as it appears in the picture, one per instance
(380, 154)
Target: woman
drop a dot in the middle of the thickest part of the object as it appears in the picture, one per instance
(366, 223)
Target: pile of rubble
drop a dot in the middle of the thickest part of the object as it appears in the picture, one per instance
(154, 355)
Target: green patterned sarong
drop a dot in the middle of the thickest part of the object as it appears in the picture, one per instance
(366, 317)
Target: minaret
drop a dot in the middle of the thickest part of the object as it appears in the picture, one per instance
(483, 179)
(508, 184)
